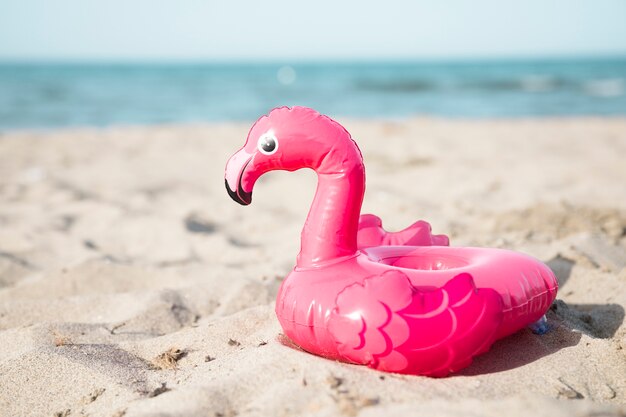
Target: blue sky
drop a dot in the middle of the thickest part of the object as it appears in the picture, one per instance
(328, 29)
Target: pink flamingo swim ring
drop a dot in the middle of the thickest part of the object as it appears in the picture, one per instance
(400, 302)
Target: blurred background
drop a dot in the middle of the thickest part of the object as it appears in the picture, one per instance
(99, 63)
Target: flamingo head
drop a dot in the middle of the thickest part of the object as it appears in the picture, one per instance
(285, 139)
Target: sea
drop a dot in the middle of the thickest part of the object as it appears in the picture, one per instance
(53, 95)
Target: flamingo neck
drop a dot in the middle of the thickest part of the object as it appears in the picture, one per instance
(331, 227)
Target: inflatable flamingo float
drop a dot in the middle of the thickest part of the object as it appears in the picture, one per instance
(400, 302)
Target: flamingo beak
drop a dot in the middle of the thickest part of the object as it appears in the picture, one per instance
(235, 171)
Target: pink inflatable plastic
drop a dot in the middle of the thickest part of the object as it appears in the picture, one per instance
(399, 302)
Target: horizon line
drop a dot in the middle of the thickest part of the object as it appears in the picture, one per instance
(309, 60)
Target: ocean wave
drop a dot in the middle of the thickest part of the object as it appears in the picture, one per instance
(416, 85)
(527, 83)
(609, 87)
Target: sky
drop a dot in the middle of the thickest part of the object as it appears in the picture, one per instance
(205, 30)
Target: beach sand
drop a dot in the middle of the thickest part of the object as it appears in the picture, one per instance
(131, 285)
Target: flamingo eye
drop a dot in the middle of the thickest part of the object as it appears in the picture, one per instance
(268, 144)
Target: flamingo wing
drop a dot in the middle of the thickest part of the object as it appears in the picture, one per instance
(371, 233)
(389, 324)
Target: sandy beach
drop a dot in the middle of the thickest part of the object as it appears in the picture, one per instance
(131, 285)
